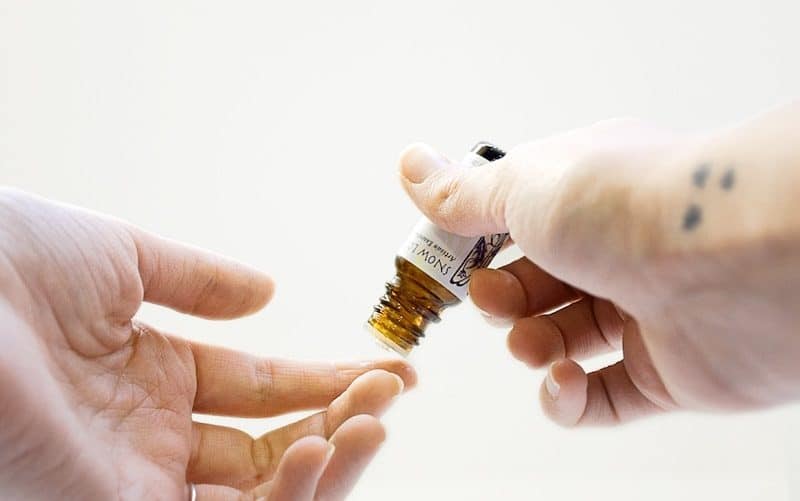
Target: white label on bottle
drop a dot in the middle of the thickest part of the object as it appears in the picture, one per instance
(448, 258)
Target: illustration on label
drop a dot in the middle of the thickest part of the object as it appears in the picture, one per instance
(479, 257)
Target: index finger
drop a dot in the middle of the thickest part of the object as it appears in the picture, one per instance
(519, 289)
(198, 282)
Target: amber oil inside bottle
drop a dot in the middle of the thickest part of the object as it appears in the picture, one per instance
(412, 301)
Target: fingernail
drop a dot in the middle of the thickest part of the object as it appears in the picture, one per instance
(401, 384)
(329, 454)
(409, 375)
(495, 321)
(482, 312)
(419, 161)
(486, 315)
(550, 382)
(621, 313)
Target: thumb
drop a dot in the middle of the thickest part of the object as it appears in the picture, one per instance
(468, 201)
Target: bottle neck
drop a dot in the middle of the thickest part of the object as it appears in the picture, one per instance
(413, 300)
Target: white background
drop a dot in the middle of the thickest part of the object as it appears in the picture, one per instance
(269, 131)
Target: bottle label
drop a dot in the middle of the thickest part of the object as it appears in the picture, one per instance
(448, 258)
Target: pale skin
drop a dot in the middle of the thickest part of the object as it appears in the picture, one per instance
(96, 404)
(680, 253)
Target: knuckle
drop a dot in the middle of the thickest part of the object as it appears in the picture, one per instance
(208, 288)
(264, 384)
(445, 195)
(596, 205)
(500, 192)
(481, 192)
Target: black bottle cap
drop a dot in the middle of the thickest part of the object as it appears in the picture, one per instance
(488, 151)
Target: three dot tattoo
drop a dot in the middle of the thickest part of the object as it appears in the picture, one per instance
(693, 216)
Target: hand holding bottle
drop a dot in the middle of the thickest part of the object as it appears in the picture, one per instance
(682, 253)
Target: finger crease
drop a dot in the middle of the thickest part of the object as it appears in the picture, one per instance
(197, 446)
(603, 335)
(197, 383)
(207, 290)
(611, 406)
(261, 454)
(265, 379)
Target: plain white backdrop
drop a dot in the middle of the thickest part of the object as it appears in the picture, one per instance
(269, 131)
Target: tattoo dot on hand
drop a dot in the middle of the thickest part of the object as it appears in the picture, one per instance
(692, 217)
(700, 175)
(728, 179)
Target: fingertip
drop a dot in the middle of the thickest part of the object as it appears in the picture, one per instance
(195, 281)
(262, 290)
(536, 342)
(363, 428)
(568, 372)
(310, 449)
(380, 378)
(373, 392)
(251, 296)
(358, 439)
(386, 381)
(404, 370)
(301, 467)
(497, 293)
(563, 392)
(418, 161)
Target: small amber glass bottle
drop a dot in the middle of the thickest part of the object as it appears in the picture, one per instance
(433, 269)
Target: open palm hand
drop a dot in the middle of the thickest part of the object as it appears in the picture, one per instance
(94, 404)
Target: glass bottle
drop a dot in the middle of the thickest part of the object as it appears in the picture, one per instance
(433, 268)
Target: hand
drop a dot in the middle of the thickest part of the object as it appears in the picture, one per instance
(94, 404)
(681, 253)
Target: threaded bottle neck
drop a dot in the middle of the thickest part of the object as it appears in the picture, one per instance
(412, 301)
